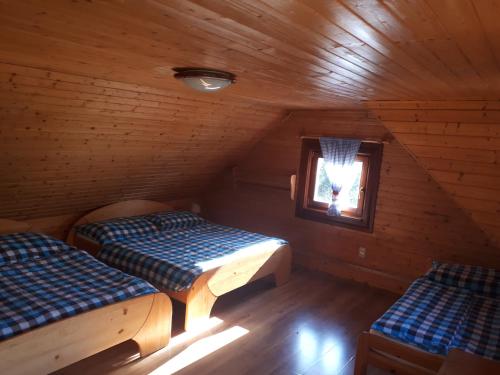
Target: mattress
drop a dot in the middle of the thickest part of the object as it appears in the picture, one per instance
(437, 318)
(43, 280)
(173, 259)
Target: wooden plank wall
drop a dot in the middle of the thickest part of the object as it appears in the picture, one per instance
(58, 226)
(458, 143)
(415, 221)
(70, 143)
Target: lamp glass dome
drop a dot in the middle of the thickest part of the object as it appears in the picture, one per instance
(205, 80)
(206, 83)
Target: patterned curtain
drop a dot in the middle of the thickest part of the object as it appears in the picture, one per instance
(339, 156)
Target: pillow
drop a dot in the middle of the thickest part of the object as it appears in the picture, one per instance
(172, 220)
(22, 247)
(116, 229)
(479, 280)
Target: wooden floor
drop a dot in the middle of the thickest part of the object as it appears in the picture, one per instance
(308, 326)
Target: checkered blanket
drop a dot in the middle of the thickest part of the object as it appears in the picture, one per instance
(20, 247)
(427, 316)
(118, 228)
(44, 288)
(437, 318)
(174, 220)
(174, 259)
(126, 227)
(480, 331)
(479, 280)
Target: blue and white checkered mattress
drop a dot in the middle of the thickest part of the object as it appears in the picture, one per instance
(174, 259)
(437, 318)
(43, 280)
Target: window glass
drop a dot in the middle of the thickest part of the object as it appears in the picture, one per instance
(358, 198)
(323, 191)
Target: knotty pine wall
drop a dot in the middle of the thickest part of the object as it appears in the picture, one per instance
(70, 143)
(415, 220)
(458, 143)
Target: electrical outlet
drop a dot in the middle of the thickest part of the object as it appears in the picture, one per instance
(195, 208)
(362, 252)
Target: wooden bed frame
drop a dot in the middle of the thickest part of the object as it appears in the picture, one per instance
(146, 320)
(200, 298)
(388, 354)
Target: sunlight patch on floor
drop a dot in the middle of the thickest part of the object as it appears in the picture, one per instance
(322, 349)
(127, 360)
(189, 335)
(181, 339)
(333, 359)
(199, 350)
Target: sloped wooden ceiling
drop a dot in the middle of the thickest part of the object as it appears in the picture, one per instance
(70, 143)
(459, 145)
(308, 53)
(90, 112)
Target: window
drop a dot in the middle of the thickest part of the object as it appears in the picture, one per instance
(314, 189)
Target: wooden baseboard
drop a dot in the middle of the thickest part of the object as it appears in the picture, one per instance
(339, 268)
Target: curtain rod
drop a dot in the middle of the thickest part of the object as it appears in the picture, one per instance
(385, 140)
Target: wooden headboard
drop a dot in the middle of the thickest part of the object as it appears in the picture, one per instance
(12, 226)
(134, 207)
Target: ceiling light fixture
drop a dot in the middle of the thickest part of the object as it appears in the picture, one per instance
(205, 80)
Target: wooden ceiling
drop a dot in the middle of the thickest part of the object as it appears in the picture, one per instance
(70, 143)
(308, 53)
(458, 143)
(90, 112)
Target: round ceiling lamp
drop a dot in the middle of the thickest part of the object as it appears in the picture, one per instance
(205, 80)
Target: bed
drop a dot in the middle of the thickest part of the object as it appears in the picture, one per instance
(230, 258)
(59, 305)
(452, 307)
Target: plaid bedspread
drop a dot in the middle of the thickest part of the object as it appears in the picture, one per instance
(134, 226)
(478, 280)
(437, 318)
(42, 290)
(480, 332)
(174, 259)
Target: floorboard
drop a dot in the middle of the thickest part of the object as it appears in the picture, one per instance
(306, 327)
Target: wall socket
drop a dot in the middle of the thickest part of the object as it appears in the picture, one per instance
(195, 208)
(362, 252)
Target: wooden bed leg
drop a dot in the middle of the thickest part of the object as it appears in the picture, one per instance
(155, 332)
(361, 355)
(199, 303)
(282, 272)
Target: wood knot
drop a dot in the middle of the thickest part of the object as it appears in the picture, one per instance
(120, 331)
(56, 357)
(125, 311)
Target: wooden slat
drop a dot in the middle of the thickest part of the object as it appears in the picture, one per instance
(415, 220)
(64, 151)
(338, 52)
(459, 144)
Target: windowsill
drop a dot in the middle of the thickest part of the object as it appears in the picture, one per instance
(342, 221)
(321, 207)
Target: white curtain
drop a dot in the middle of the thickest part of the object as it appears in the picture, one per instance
(339, 156)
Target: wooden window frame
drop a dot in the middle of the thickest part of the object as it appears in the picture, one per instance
(361, 218)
